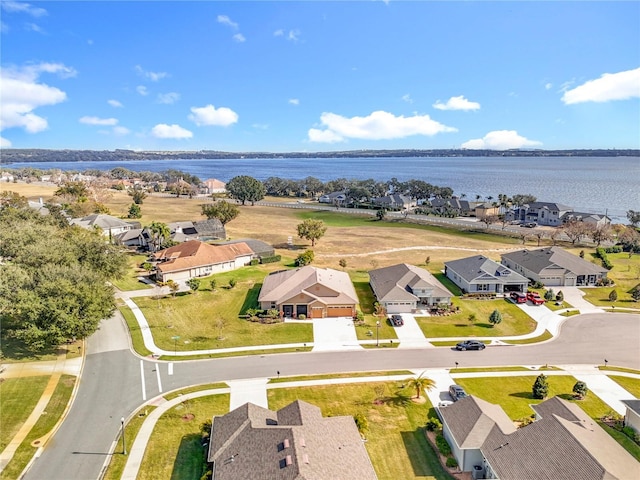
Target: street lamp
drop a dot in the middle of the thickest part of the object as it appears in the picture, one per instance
(175, 344)
(124, 445)
(377, 333)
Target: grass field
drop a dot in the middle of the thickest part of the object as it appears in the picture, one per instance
(631, 385)
(514, 320)
(395, 441)
(19, 398)
(130, 280)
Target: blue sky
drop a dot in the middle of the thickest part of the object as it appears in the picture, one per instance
(319, 75)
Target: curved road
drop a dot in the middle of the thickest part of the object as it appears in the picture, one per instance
(115, 382)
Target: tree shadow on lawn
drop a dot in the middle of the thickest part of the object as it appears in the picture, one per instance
(190, 459)
(16, 349)
(250, 299)
(527, 395)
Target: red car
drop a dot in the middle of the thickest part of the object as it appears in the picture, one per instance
(518, 297)
(534, 298)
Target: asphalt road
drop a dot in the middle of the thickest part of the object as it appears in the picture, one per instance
(115, 382)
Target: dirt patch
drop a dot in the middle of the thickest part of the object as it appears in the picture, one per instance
(419, 401)
(187, 417)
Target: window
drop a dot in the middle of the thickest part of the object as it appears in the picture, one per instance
(482, 287)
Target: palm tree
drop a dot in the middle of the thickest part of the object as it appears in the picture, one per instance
(159, 234)
(421, 383)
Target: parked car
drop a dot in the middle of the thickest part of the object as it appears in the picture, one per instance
(518, 297)
(535, 298)
(445, 403)
(396, 320)
(457, 392)
(470, 345)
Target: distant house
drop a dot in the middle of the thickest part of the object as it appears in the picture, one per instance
(542, 213)
(334, 198)
(136, 237)
(403, 288)
(590, 218)
(203, 230)
(309, 291)
(194, 258)
(109, 225)
(394, 201)
(554, 266)
(632, 414)
(453, 205)
(260, 248)
(213, 185)
(295, 442)
(563, 443)
(483, 210)
(479, 274)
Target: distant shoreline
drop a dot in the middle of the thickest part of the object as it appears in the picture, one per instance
(14, 155)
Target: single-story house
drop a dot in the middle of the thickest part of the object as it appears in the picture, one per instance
(394, 201)
(563, 443)
(403, 288)
(260, 248)
(309, 291)
(483, 210)
(194, 258)
(334, 198)
(136, 237)
(109, 225)
(203, 230)
(454, 204)
(632, 414)
(554, 266)
(213, 185)
(295, 442)
(542, 213)
(479, 274)
(590, 218)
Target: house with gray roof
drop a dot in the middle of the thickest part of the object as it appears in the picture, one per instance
(260, 248)
(542, 213)
(403, 288)
(107, 224)
(454, 205)
(595, 219)
(293, 443)
(554, 266)
(309, 291)
(563, 443)
(394, 201)
(203, 230)
(479, 274)
(334, 198)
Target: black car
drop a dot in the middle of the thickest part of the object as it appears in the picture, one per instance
(396, 320)
(470, 345)
(457, 392)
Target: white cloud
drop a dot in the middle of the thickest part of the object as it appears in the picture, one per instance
(293, 35)
(33, 27)
(407, 98)
(142, 90)
(500, 140)
(225, 20)
(548, 86)
(22, 7)
(162, 130)
(115, 103)
(610, 86)
(278, 33)
(4, 143)
(238, 37)
(294, 101)
(260, 126)
(98, 121)
(121, 131)
(21, 94)
(168, 98)
(378, 125)
(153, 76)
(457, 103)
(209, 115)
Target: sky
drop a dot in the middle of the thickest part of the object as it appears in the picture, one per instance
(286, 76)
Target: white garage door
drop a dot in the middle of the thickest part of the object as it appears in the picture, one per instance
(399, 307)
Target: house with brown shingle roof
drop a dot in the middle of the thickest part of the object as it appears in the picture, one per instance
(554, 266)
(293, 443)
(563, 443)
(198, 259)
(309, 291)
(402, 288)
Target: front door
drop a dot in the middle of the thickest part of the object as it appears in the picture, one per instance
(301, 310)
(287, 310)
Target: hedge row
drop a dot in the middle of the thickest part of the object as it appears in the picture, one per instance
(270, 259)
(602, 254)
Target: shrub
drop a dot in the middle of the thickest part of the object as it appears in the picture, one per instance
(302, 316)
(232, 282)
(271, 259)
(580, 390)
(361, 422)
(602, 254)
(549, 295)
(613, 295)
(443, 445)
(433, 424)
(540, 387)
(254, 261)
(495, 317)
(452, 462)
(635, 294)
(305, 258)
(560, 296)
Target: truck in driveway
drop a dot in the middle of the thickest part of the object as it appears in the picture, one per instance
(535, 298)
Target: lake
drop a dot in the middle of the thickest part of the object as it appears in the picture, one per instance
(588, 184)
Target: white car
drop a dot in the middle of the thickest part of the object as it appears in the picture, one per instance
(444, 403)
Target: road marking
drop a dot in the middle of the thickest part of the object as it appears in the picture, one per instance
(170, 368)
(144, 392)
(158, 376)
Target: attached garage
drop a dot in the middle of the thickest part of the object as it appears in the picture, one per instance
(340, 311)
(400, 307)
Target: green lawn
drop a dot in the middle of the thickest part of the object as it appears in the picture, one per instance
(130, 280)
(360, 280)
(19, 398)
(395, 440)
(514, 320)
(545, 336)
(55, 408)
(626, 275)
(174, 450)
(301, 378)
(514, 395)
(210, 319)
(631, 385)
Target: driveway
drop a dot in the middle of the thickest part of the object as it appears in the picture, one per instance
(410, 335)
(333, 334)
(574, 296)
